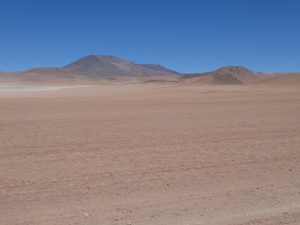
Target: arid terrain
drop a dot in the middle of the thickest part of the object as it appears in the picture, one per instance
(151, 154)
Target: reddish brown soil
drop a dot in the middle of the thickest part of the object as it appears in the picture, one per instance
(151, 155)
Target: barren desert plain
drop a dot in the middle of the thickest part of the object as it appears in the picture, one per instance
(151, 154)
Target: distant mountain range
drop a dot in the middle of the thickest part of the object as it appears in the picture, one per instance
(99, 67)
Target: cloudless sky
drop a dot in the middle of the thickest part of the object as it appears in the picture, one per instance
(184, 35)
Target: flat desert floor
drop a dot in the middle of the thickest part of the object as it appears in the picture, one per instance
(151, 155)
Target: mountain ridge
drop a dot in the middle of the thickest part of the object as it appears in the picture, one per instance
(111, 68)
(104, 66)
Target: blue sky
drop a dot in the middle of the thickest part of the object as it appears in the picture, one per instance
(184, 35)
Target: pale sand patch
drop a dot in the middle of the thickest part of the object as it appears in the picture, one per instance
(11, 87)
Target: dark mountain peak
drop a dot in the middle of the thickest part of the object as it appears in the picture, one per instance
(107, 58)
(108, 66)
(91, 59)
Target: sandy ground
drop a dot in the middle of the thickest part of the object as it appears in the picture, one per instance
(151, 155)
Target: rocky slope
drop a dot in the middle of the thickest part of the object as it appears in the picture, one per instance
(224, 75)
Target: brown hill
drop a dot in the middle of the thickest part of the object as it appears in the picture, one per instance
(234, 73)
(225, 75)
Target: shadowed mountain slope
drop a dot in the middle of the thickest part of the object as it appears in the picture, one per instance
(111, 66)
